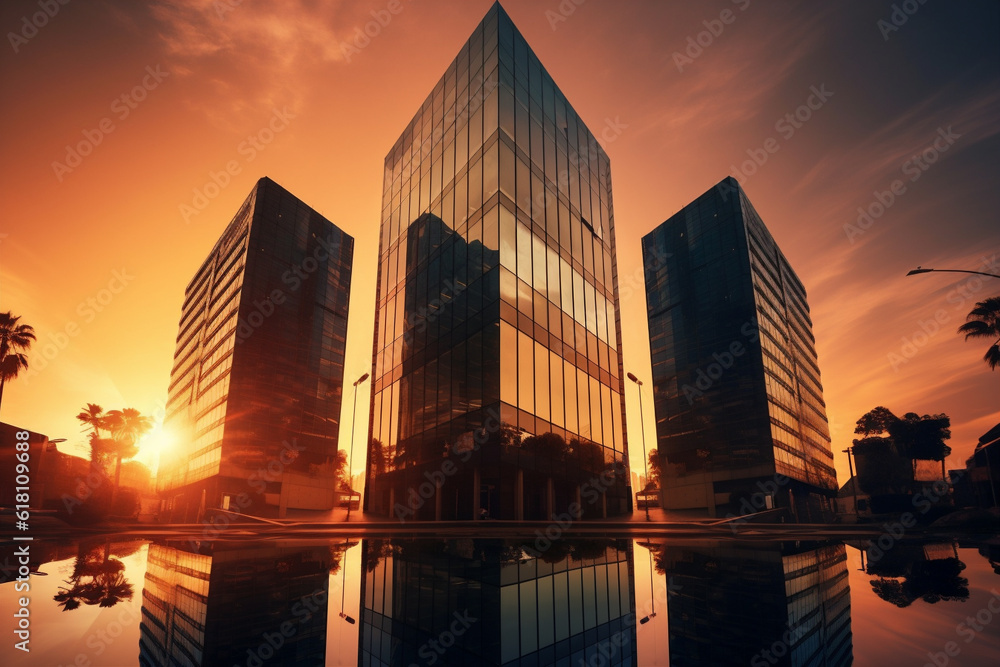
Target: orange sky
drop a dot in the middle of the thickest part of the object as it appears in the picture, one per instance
(230, 65)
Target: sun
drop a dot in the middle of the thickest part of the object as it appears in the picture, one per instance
(153, 445)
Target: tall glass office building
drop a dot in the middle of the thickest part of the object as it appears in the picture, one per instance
(497, 355)
(255, 391)
(740, 418)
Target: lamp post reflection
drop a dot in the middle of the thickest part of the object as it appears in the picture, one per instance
(343, 581)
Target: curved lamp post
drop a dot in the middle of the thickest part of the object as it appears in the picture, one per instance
(642, 423)
(350, 459)
(920, 269)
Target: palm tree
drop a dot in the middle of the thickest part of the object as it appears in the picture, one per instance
(127, 428)
(15, 339)
(983, 321)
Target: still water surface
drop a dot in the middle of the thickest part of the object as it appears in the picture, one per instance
(507, 602)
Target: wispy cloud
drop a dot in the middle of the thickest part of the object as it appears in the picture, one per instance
(241, 59)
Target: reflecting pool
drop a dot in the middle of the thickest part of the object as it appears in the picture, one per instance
(503, 601)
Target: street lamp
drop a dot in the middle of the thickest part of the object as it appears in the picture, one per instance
(350, 459)
(920, 269)
(642, 423)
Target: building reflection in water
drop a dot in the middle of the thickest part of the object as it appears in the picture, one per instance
(235, 604)
(757, 604)
(497, 602)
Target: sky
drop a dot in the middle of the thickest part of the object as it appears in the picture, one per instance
(120, 119)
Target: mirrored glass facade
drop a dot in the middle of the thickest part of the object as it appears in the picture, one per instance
(248, 604)
(255, 391)
(758, 604)
(497, 602)
(740, 418)
(497, 356)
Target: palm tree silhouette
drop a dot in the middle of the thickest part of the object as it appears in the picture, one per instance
(15, 339)
(127, 428)
(984, 322)
(95, 580)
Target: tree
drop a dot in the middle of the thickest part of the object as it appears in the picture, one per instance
(654, 468)
(983, 321)
(15, 339)
(890, 446)
(127, 427)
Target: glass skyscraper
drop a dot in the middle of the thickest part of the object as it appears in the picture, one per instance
(497, 356)
(740, 419)
(255, 391)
